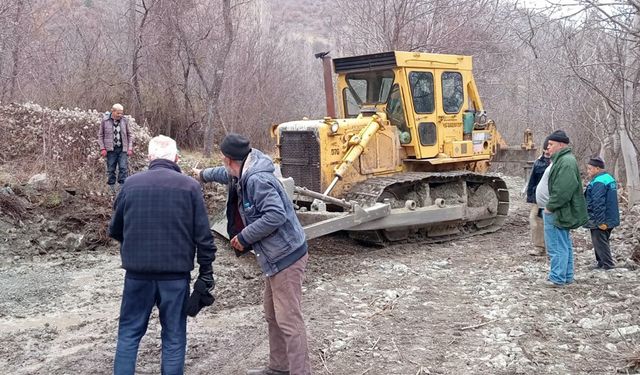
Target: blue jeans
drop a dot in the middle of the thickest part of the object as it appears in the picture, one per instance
(138, 298)
(560, 251)
(117, 158)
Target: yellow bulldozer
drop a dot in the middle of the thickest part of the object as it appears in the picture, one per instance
(406, 158)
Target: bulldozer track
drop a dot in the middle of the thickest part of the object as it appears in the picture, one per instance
(377, 189)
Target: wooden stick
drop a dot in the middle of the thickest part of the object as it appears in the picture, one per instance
(397, 350)
(323, 362)
(478, 325)
(374, 344)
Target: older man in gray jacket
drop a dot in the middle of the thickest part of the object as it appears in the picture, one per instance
(261, 216)
(116, 145)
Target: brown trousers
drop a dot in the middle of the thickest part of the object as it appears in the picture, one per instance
(536, 225)
(288, 350)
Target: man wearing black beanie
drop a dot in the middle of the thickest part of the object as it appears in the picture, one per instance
(602, 205)
(260, 216)
(565, 210)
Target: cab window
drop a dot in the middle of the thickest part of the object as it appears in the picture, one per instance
(422, 91)
(395, 112)
(452, 92)
(366, 89)
(351, 103)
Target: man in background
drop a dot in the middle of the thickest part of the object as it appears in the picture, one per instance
(161, 222)
(602, 206)
(536, 224)
(116, 145)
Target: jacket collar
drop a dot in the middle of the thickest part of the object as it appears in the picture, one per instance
(256, 162)
(598, 175)
(560, 153)
(164, 163)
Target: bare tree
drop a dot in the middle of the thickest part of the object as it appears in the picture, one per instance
(19, 15)
(137, 32)
(211, 79)
(611, 69)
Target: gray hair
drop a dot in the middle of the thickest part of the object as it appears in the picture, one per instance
(117, 107)
(162, 147)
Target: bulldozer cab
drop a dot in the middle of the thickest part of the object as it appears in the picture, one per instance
(426, 96)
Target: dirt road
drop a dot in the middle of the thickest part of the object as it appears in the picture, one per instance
(473, 306)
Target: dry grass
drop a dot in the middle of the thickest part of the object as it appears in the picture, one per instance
(13, 206)
(195, 159)
(632, 366)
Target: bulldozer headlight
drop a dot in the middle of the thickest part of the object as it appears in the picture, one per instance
(334, 127)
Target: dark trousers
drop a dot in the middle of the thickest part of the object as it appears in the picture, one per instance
(600, 239)
(138, 298)
(116, 159)
(288, 350)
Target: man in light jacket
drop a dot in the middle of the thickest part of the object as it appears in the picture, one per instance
(261, 216)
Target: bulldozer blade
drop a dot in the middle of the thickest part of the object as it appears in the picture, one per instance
(220, 223)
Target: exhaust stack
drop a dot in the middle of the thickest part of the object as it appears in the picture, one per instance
(328, 83)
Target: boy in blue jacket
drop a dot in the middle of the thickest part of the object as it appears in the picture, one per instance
(602, 206)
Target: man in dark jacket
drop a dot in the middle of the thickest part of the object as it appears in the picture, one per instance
(161, 221)
(536, 225)
(565, 210)
(602, 206)
(260, 215)
(116, 145)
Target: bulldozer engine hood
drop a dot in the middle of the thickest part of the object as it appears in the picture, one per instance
(302, 125)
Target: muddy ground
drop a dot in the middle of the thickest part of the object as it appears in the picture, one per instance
(473, 306)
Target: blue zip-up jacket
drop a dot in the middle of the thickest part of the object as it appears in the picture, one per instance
(161, 221)
(537, 171)
(602, 201)
(271, 226)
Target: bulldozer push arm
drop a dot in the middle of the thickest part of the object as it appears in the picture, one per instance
(357, 144)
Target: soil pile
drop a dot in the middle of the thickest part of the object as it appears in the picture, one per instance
(61, 143)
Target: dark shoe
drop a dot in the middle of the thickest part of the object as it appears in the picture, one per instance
(266, 371)
(537, 251)
(112, 189)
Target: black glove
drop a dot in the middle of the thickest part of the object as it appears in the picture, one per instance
(201, 295)
(207, 279)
